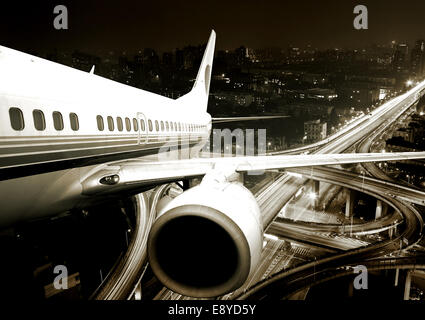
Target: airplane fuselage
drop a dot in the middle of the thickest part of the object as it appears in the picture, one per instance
(58, 123)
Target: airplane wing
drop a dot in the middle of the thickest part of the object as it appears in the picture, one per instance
(234, 119)
(134, 173)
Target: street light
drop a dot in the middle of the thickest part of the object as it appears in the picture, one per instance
(362, 173)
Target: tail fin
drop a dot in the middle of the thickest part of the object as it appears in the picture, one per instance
(201, 87)
(204, 74)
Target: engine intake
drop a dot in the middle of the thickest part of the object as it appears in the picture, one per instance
(208, 240)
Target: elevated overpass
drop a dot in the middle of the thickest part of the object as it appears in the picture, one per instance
(122, 282)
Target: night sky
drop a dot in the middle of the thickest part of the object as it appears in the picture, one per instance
(100, 26)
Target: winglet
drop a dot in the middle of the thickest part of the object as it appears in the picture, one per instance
(92, 70)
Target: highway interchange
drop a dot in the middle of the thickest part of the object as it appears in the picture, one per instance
(294, 251)
(295, 278)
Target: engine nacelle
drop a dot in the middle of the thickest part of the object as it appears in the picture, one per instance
(208, 240)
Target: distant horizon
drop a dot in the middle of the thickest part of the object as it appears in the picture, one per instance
(119, 51)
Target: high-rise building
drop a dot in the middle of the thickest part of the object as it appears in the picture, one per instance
(168, 59)
(401, 57)
(314, 130)
(241, 55)
(418, 59)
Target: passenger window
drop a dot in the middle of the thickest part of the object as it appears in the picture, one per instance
(110, 123)
(73, 118)
(175, 126)
(150, 125)
(57, 120)
(167, 125)
(127, 124)
(156, 125)
(100, 124)
(135, 124)
(16, 119)
(180, 126)
(142, 124)
(162, 125)
(171, 126)
(39, 121)
(119, 124)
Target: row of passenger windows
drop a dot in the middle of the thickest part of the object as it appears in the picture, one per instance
(18, 123)
(159, 125)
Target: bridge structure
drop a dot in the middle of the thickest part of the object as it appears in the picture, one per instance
(123, 282)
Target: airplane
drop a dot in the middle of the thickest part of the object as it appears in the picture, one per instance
(71, 139)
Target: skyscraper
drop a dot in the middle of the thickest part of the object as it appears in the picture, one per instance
(418, 59)
(400, 57)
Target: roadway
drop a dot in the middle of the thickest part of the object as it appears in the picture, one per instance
(343, 141)
(282, 188)
(316, 244)
(122, 281)
(365, 146)
(271, 198)
(286, 282)
(323, 274)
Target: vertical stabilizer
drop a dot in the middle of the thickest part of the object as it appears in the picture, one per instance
(201, 88)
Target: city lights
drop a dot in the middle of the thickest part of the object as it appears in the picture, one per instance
(312, 195)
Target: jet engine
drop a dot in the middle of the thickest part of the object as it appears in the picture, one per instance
(208, 240)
